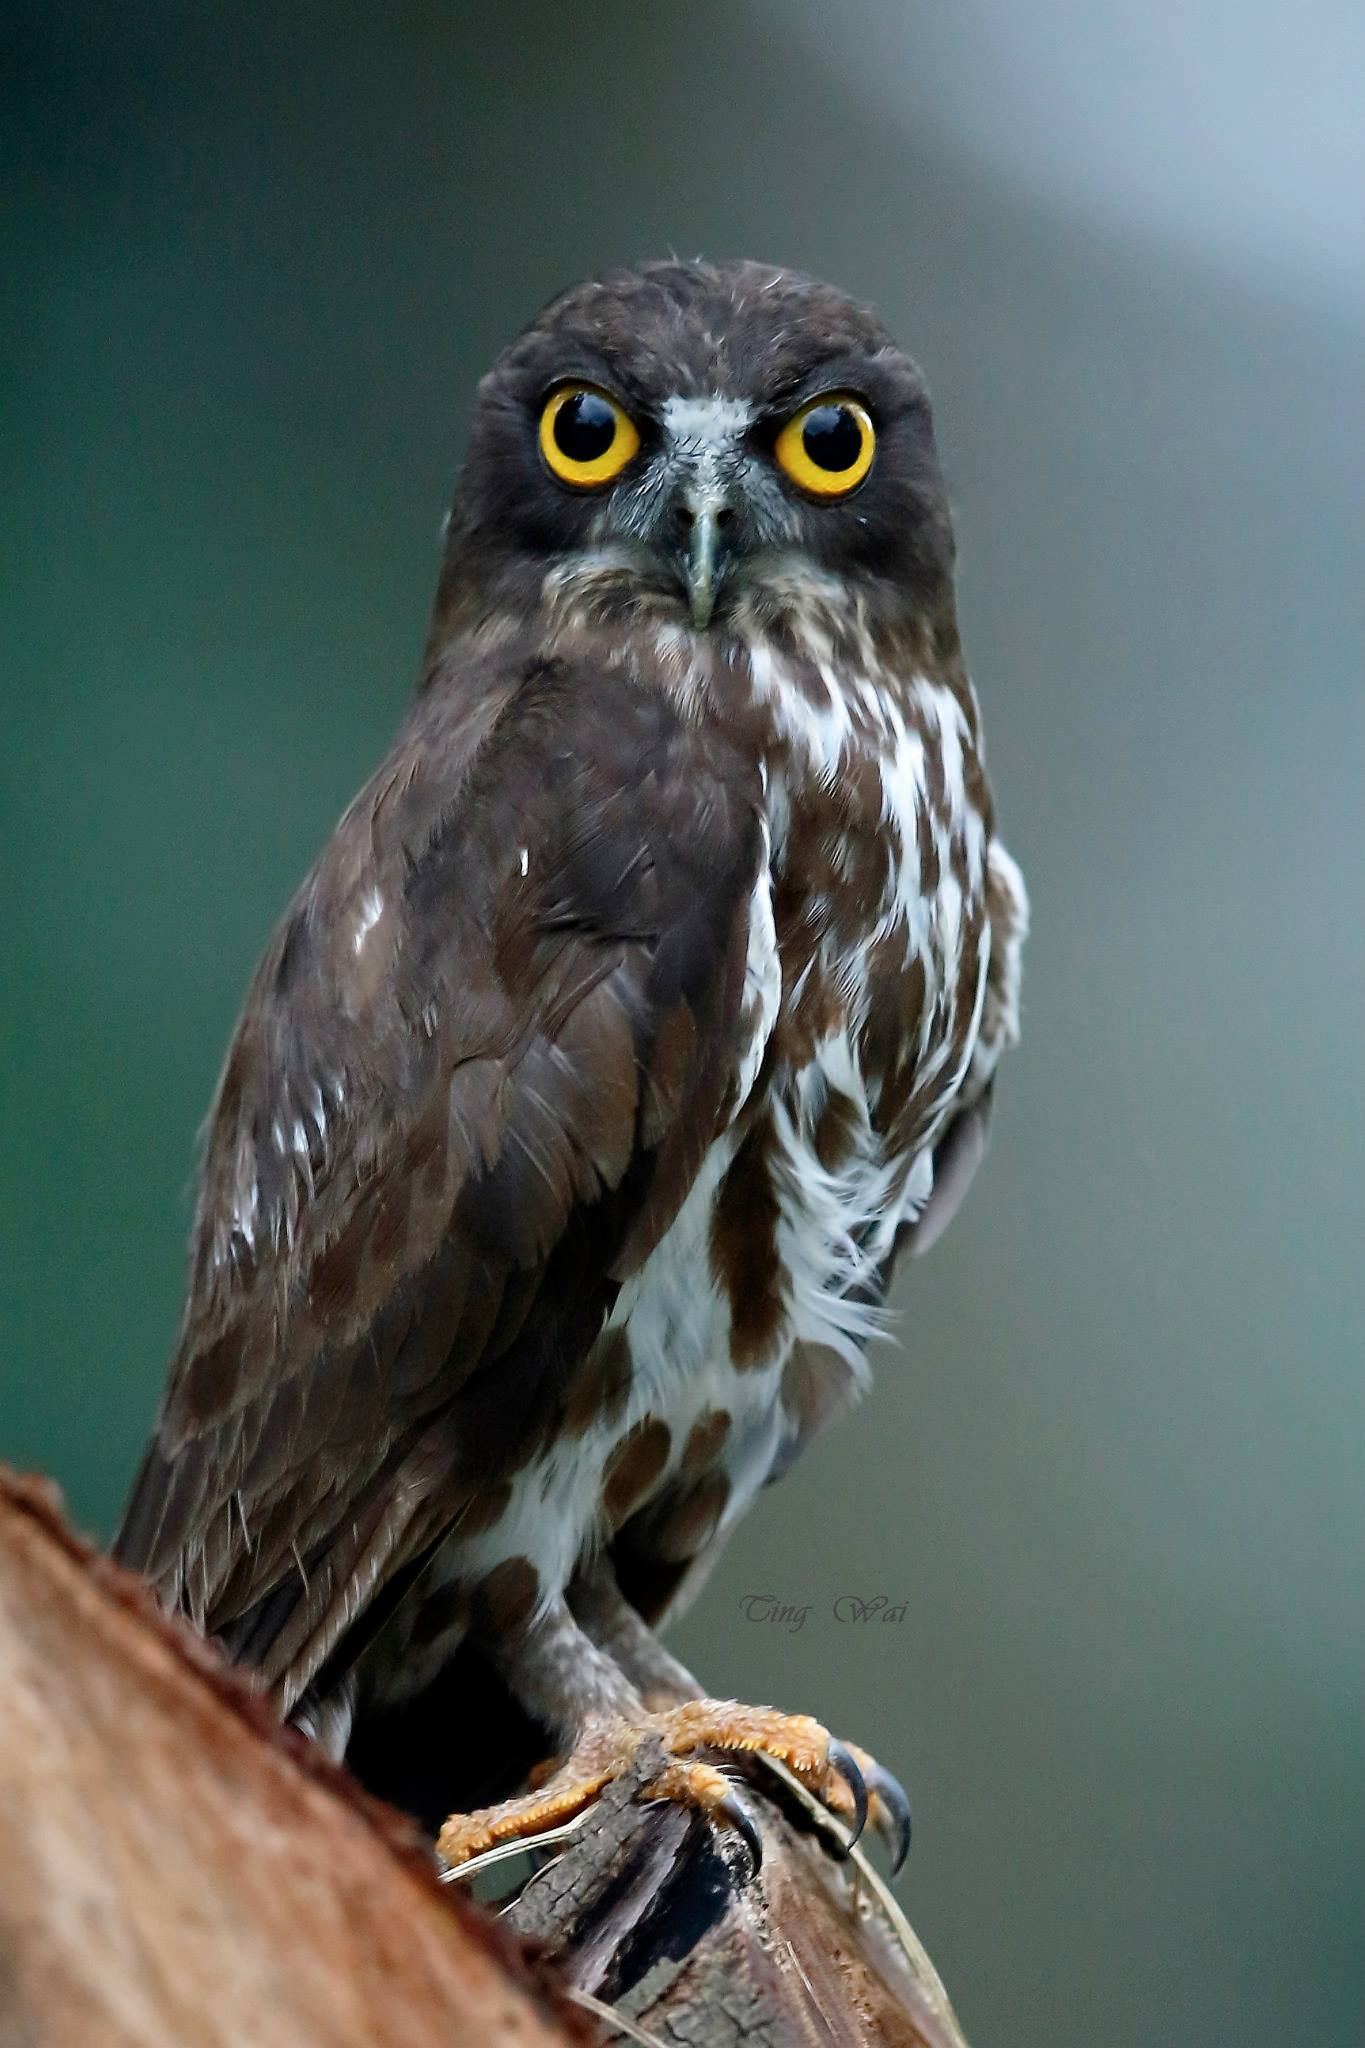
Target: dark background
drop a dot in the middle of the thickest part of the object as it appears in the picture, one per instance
(257, 258)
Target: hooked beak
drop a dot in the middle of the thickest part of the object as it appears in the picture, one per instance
(708, 514)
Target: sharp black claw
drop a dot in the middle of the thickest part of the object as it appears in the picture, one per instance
(732, 1809)
(841, 1760)
(896, 1809)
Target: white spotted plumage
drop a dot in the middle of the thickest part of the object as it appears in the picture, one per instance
(837, 1223)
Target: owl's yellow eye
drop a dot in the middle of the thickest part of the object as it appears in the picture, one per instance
(585, 437)
(827, 447)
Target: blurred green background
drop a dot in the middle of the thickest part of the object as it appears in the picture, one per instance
(258, 256)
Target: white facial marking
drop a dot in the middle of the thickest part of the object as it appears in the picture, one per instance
(706, 422)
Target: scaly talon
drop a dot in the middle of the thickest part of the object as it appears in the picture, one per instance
(849, 1782)
(890, 1812)
(703, 1786)
(842, 1760)
(737, 1815)
(884, 1803)
(888, 1808)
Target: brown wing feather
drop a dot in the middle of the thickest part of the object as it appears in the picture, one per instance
(478, 1065)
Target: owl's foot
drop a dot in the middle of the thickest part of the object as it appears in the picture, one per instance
(609, 1748)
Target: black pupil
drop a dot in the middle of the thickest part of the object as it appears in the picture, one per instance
(832, 438)
(585, 427)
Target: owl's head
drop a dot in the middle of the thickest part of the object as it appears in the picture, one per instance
(716, 444)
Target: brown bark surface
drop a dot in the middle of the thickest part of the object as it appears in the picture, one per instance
(175, 1868)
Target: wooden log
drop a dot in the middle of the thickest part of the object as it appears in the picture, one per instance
(176, 1868)
(177, 1871)
(651, 1912)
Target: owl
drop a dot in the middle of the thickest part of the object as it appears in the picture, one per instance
(642, 1010)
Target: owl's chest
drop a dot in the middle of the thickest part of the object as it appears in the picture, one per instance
(881, 933)
(744, 1330)
(867, 962)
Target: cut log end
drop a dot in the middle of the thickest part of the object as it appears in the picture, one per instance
(175, 1867)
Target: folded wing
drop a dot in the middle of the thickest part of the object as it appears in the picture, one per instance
(475, 1075)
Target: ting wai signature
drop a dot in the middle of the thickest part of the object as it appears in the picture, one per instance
(847, 1608)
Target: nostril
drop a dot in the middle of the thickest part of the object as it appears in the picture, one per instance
(685, 516)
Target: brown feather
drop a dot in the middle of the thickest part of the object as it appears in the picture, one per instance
(451, 1051)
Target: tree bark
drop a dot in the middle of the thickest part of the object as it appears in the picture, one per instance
(176, 1868)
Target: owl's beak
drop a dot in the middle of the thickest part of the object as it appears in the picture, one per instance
(706, 514)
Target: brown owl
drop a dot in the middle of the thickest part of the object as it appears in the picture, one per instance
(643, 1006)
